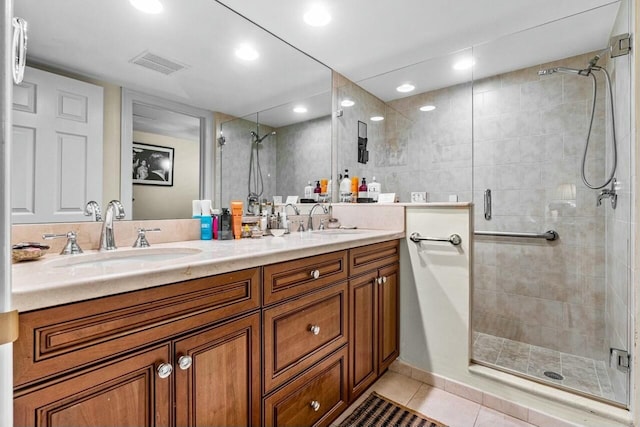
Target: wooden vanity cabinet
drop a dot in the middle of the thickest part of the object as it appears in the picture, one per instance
(181, 354)
(373, 313)
(287, 344)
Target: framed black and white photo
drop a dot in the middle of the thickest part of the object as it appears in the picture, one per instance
(152, 165)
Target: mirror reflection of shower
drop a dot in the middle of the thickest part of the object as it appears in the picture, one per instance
(255, 184)
(589, 72)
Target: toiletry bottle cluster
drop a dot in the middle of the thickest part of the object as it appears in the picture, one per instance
(353, 191)
(318, 192)
(215, 224)
(230, 223)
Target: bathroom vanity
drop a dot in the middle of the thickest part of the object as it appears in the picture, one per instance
(292, 338)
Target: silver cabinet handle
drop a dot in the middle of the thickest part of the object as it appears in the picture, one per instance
(384, 279)
(314, 329)
(315, 274)
(164, 370)
(315, 405)
(185, 362)
(379, 280)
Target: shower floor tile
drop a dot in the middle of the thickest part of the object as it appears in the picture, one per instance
(579, 373)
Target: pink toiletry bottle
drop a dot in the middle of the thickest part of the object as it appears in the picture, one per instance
(317, 191)
(363, 191)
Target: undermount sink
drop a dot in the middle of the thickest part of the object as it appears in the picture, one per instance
(129, 256)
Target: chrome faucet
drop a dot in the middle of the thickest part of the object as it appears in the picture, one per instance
(107, 238)
(310, 223)
(295, 209)
(93, 210)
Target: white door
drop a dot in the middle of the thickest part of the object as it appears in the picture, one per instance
(56, 162)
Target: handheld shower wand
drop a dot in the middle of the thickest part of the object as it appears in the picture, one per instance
(255, 184)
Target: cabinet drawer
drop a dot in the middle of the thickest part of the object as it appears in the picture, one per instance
(314, 399)
(374, 256)
(58, 339)
(292, 342)
(293, 278)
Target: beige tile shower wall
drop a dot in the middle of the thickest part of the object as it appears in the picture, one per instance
(438, 148)
(528, 138)
(303, 155)
(234, 161)
(410, 150)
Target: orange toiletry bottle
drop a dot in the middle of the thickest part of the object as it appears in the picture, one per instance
(236, 218)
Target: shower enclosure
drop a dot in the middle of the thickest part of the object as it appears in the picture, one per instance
(555, 308)
(551, 291)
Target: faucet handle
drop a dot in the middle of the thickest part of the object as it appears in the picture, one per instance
(141, 241)
(71, 248)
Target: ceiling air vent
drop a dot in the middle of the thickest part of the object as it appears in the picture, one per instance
(157, 63)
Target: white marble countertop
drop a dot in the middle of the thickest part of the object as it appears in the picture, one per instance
(60, 279)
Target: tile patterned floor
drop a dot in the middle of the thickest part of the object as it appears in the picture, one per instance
(580, 373)
(435, 403)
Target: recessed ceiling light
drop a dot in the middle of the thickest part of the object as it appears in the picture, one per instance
(247, 53)
(347, 103)
(427, 108)
(377, 118)
(406, 87)
(317, 16)
(147, 6)
(300, 109)
(464, 64)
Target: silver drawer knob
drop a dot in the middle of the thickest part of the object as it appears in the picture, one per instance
(315, 405)
(184, 362)
(164, 370)
(315, 329)
(315, 274)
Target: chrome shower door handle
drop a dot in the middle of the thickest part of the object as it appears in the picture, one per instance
(487, 204)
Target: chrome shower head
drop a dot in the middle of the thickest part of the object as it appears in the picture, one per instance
(563, 70)
(258, 139)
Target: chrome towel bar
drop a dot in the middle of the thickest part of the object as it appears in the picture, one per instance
(454, 239)
(549, 235)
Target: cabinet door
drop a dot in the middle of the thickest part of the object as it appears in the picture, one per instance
(363, 354)
(222, 385)
(126, 392)
(388, 322)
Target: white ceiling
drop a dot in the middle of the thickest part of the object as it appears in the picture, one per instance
(381, 43)
(365, 40)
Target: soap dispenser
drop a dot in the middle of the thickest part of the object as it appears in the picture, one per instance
(345, 187)
(317, 191)
(363, 192)
(374, 189)
(308, 191)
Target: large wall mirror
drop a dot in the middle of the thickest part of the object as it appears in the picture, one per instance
(426, 122)
(175, 67)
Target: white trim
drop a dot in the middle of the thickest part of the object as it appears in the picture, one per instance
(126, 138)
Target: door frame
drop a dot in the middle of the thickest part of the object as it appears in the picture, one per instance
(130, 97)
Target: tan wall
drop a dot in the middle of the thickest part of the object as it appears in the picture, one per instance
(163, 202)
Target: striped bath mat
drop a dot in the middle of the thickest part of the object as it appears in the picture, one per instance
(378, 411)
